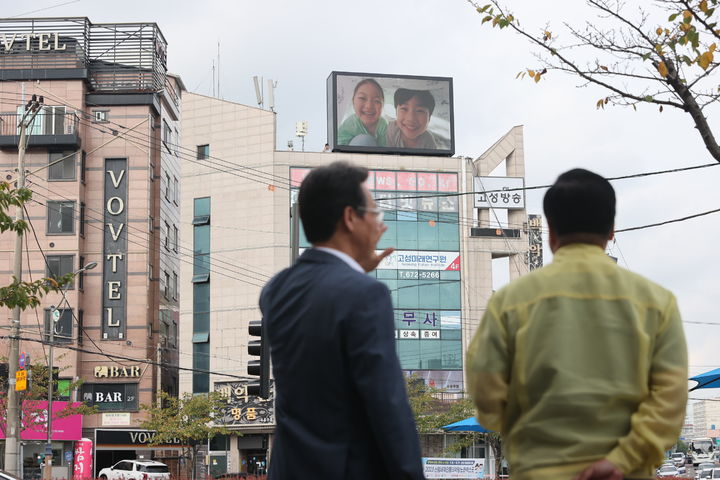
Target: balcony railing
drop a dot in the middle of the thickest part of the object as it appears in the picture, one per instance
(52, 126)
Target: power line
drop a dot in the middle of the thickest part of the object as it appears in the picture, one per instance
(43, 9)
(675, 220)
(428, 195)
(214, 262)
(81, 330)
(284, 180)
(131, 359)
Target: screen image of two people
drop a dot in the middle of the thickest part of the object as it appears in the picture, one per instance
(367, 126)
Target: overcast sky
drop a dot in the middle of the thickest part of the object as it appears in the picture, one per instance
(297, 44)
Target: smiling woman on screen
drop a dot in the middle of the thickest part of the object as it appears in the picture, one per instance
(367, 121)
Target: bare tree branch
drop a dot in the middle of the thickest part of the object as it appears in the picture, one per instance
(619, 67)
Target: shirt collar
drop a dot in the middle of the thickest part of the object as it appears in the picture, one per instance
(344, 257)
(585, 250)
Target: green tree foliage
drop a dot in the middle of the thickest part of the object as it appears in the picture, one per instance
(18, 293)
(432, 411)
(189, 419)
(663, 55)
(37, 391)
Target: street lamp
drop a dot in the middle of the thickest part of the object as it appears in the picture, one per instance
(54, 318)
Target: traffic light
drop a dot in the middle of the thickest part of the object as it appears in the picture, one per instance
(261, 368)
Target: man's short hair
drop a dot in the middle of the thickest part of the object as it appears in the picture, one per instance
(424, 98)
(325, 193)
(580, 201)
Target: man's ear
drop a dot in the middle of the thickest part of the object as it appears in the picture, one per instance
(612, 233)
(348, 219)
(552, 237)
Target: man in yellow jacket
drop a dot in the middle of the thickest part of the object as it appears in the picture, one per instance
(581, 365)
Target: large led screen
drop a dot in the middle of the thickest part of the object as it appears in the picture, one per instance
(378, 113)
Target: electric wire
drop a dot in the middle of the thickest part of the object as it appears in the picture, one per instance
(81, 329)
(446, 194)
(218, 263)
(130, 359)
(283, 180)
(37, 316)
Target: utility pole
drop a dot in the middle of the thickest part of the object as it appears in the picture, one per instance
(12, 440)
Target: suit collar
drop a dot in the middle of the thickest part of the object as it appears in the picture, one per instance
(314, 255)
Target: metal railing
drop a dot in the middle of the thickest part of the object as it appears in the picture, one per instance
(50, 121)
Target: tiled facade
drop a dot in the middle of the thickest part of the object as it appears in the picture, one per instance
(249, 184)
(141, 128)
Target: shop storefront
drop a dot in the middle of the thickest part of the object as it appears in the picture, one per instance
(114, 445)
(254, 419)
(66, 430)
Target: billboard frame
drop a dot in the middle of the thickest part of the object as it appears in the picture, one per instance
(332, 114)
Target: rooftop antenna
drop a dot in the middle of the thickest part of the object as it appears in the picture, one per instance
(258, 90)
(213, 82)
(271, 94)
(301, 129)
(218, 70)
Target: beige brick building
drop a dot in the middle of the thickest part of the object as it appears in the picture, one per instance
(104, 168)
(236, 202)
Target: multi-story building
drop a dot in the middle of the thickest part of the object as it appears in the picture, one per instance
(236, 203)
(706, 417)
(103, 164)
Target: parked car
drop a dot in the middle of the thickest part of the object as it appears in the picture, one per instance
(135, 470)
(668, 471)
(678, 459)
(704, 470)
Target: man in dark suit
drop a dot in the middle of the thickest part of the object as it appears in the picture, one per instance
(341, 406)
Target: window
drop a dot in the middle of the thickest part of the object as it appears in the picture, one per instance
(168, 187)
(61, 217)
(176, 147)
(167, 236)
(176, 191)
(59, 265)
(201, 253)
(101, 116)
(82, 219)
(201, 211)
(63, 325)
(83, 166)
(61, 166)
(167, 135)
(80, 320)
(166, 276)
(174, 286)
(151, 223)
(175, 239)
(201, 361)
(173, 334)
(203, 152)
(63, 389)
(81, 275)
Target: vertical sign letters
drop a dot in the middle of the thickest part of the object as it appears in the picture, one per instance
(114, 291)
(535, 250)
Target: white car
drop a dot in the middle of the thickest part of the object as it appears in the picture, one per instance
(136, 470)
(668, 471)
(678, 459)
(704, 470)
